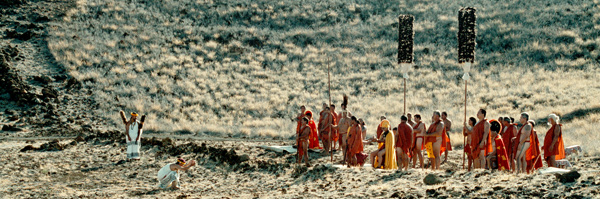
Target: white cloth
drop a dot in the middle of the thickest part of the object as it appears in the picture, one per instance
(576, 149)
(133, 147)
(166, 176)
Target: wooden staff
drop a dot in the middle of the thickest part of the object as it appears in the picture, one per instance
(464, 124)
(404, 96)
(331, 120)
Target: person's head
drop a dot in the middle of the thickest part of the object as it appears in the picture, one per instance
(180, 161)
(417, 117)
(481, 114)
(444, 115)
(512, 120)
(381, 118)
(332, 107)
(553, 119)
(385, 124)
(304, 121)
(409, 116)
(353, 121)
(303, 108)
(133, 116)
(395, 129)
(404, 119)
(495, 128)
(436, 115)
(500, 119)
(524, 118)
(506, 121)
(472, 121)
(532, 123)
(324, 106)
(308, 114)
(361, 121)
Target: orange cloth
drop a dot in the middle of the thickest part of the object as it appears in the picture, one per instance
(314, 136)
(433, 139)
(355, 140)
(336, 135)
(447, 142)
(559, 146)
(379, 131)
(534, 158)
(477, 137)
(300, 141)
(507, 138)
(405, 133)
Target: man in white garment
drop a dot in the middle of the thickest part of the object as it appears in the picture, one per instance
(168, 175)
(133, 132)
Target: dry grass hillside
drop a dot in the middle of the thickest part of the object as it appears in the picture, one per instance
(242, 68)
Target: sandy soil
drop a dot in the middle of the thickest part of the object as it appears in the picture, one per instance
(93, 168)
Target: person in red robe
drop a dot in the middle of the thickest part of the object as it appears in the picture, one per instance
(314, 133)
(534, 154)
(554, 147)
(303, 142)
(325, 130)
(497, 159)
(523, 142)
(508, 134)
(481, 140)
(404, 142)
(334, 131)
(468, 132)
(435, 136)
(448, 127)
(355, 144)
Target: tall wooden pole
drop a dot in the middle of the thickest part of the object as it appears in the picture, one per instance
(464, 124)
(404, 96)
(331, 120)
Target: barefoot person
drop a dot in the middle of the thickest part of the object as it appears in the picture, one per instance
(355, 144)
(302, 140)
(448, 128)
(534, 154)
(498, 158)
(434, 140)
(419, 132)
(334, 132)
(404, 141)
(385, 155)
(481, 140)
(468, 133)
(133, 131)
(523, 142)
(380, 128)
(554, 148)
(410, 119)
(299, 118)
(342, 128)
(325, 131)
(168, 176)
(510, 131)
(363, 128)
(313, 139)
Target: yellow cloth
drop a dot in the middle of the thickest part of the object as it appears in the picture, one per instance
(385, 124)
(390, 152)
(429, 148)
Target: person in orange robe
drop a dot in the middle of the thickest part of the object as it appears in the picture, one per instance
(325, 130)
(404, 142)
(334, 131)
(481, 140)
(303, 142)
(314, 133)
(321, 117)
(509, 132)
(355, 144)
(448, 127)
(498, 158)
(554, 147)
(534, 154)
(468, 132)
(523, 142)
(435, 136)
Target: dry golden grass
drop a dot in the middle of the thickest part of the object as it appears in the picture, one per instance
(243, 68)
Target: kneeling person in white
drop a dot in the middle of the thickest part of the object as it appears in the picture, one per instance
(168, 176)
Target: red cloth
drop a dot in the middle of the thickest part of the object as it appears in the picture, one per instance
(559, 146)
(477, 137)
(507, 138)
(355, 140)
(299, 123)
(431, 130)
(501, 154)
(405, 133)
(360, 158)
(300, 142)
(313, 139)
(334, 132)
(534, 153)
(379, 131)
(422, 138)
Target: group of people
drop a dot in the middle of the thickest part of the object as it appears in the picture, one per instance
(493, 144)
(168, 175)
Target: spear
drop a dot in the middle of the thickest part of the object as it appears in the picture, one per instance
(330, 120)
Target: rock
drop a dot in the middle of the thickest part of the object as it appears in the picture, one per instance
(28, 148)
(73, 83)
(10, 3)
(43, 79)
(12, 83)
(244, 158)
(395, 195)
(21, 34)
(79, 139)
(11, 128)
(49, 92)
(432, 179)
(570, 176)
